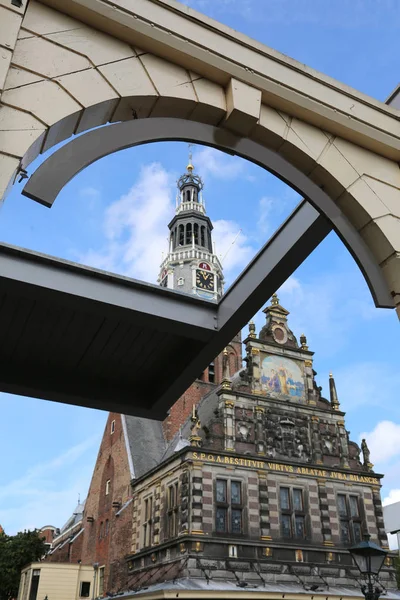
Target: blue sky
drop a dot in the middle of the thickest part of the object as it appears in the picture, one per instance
(114, 215)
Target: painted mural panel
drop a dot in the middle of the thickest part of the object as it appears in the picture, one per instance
(282, 377)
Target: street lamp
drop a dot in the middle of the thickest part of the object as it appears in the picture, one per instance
(369, 559)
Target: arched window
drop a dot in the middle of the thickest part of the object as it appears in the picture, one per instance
(188, 234)
(175, 238)
(196, 233)
(181, 235)
(203, 236)
(187, 195)
(195, 198)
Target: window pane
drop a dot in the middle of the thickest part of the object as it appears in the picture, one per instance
(171, 497)
(236, 492)
(342, 507)
(298, 500)
(344, 531)
(221, 520)
(221, 490)
(285, 502)
(300, 529)
(357, 532)
(354, 506)
(236, 521)
(286, 526)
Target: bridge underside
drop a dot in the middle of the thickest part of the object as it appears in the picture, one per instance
(87, 337)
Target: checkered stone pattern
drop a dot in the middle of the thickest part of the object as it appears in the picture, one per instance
(273, 507)
(138, 522)
(157, 515)
(253, 506)
(196, 523)
(315, 513)
(184, 480)
(333, 512)
(379, 523)
(208, 495)
(135, 525)
(325, 521)
(265, 527)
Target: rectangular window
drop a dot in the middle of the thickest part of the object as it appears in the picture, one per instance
(349, 518)
(211, 372)
(108, 485)
(34, 584)
(292, 513)
(84, 591)
(112, 427)
(101, 581)
(172, 511)
(229, 507)
(148, 521)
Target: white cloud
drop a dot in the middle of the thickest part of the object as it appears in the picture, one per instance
(393, 496)
(383, 441)
(232, 247)
(135, 227)
(35, 499)
(209, 162)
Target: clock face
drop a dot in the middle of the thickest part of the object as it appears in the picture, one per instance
(205, 280)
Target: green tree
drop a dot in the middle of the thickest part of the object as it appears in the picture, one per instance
(16, 551)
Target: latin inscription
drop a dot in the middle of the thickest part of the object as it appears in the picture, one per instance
(271, 466)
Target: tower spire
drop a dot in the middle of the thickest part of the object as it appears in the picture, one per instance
(190, 166)
(333, 393)
(191, 264)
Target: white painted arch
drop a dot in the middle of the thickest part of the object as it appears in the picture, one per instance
(66, 74)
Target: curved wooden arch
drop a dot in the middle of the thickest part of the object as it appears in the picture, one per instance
(50, 178)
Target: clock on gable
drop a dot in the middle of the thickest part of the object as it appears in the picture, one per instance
(205, 280)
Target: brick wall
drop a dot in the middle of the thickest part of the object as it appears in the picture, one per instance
(108, 538)
(182, 409)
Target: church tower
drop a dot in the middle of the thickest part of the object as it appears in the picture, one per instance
(191, 264)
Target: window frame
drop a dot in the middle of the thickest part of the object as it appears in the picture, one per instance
(292, 513)
(147, 521)
(108, 486)
(229, 507)
(112, 427)
(80, 589)
(172, 509)
(350, 519)
(101, 580)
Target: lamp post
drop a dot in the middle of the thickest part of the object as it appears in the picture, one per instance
(369, 559)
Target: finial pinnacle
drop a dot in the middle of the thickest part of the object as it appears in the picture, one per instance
(330, 375)
(252, 329)
(303, 342)
(274, 300)
(190, 166)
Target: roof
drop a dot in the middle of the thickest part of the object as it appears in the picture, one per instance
(145, 442)
(215, 587)
(74, 519)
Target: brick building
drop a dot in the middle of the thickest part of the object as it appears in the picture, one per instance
(250, 482)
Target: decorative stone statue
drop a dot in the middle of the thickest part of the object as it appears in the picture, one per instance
(366, 453)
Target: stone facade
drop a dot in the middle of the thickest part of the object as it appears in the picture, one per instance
(267, 486)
